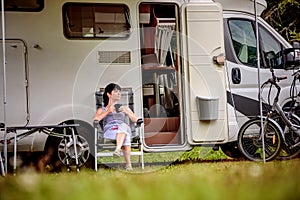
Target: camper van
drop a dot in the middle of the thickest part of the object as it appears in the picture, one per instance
(168, 55)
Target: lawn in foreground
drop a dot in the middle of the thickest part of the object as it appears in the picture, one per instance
(207, 180)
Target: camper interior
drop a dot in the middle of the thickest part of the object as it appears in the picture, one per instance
(160, 73)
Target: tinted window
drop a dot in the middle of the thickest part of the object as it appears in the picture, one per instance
(271, 49)
(244, 41)
(90, 20)
(24, 5)
(244, 44)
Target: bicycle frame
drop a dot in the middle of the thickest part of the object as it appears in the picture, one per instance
(279, 111)
(295, 97)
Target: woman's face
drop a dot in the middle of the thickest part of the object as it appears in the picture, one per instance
(115, 95)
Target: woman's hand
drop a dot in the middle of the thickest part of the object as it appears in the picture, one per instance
(129, 113)
(125, 109)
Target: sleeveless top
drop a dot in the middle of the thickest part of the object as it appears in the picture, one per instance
(113, 119)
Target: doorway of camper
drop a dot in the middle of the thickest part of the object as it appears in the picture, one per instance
(160, 62)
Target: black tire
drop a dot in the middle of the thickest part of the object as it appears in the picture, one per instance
(49, 161)
(250, 140)
(231, 149)
(291, 138)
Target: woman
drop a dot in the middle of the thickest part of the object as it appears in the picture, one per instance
(115, 127)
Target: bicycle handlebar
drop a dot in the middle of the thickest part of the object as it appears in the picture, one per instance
(282, 77)
(275, 79)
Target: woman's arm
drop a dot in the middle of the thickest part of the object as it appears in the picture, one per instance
(100, 114)
(129, 113)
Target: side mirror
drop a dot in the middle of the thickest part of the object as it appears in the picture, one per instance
(291, 57)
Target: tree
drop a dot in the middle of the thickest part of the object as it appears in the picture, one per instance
(283, 15)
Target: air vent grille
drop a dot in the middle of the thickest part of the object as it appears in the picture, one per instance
(117, 57)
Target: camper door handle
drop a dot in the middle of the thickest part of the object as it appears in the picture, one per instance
(219, 59)
(236, 75)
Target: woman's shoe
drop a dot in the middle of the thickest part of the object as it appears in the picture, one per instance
(128, 168)
(117, 153)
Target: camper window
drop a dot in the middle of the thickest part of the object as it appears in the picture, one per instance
(244, 44)
(244, 41)
(94, 20)
(271, 49)
(26, 6)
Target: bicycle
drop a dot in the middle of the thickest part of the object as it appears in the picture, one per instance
(292, 107)
(280, 131)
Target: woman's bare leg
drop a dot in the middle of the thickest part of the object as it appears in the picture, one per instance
(126, 151)
(120, 137)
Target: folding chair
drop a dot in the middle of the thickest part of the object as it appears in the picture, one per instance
(105, 147)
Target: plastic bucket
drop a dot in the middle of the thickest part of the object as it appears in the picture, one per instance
(208, 108)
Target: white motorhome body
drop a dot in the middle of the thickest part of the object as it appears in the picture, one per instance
(242, 71)
(58, 54)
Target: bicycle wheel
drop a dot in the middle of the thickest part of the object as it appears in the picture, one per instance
(291, 138)
(250, 140)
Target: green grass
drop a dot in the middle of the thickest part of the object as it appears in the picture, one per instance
(196, 154)
(202, 180)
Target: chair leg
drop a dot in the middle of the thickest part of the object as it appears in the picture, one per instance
(2, 165)
(96, 149)
(96, 162)
(142, 157)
